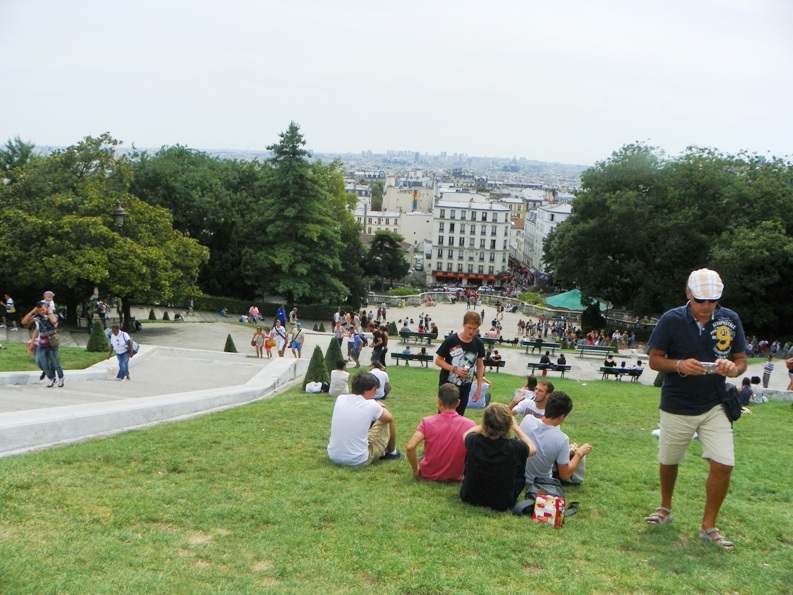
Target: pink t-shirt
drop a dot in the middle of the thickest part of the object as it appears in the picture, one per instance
(444, 449)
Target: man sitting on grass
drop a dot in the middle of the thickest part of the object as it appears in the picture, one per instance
(553, 445)
(362, 430)
(534, 405)
(442, 434)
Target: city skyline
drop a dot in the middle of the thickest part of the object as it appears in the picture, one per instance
(564, 84)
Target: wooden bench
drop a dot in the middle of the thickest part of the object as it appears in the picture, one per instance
(596, 349)
(618, 373)
(543, 346)
(489, 340)
(423, 358)
(549, 367)
(489, 363)
(419, 337)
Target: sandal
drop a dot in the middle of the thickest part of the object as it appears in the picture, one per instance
(718, 539)
(661, 516)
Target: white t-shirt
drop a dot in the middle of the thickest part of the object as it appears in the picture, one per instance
(528, 406)
(119, 342)
(553, 446)
(349, 429)
(338, 382)
(383, 378)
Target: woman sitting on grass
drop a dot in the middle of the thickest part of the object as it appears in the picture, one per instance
(495, 466)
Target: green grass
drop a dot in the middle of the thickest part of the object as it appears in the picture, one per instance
(246, 501)
(15, 358)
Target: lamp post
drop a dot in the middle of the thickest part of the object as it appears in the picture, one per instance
(120, 216)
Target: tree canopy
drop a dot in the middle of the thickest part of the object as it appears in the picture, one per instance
(57, 231)
(386, 258)
(643, 222)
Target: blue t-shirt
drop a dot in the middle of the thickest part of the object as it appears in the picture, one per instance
(679, 336)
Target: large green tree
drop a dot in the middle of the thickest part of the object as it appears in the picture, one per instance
(208, 198)
(13, 156)
(642, 222)
(57, 231)
(386, 258)
(294, 222)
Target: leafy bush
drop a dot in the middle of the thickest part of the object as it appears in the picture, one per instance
(392, 329)
(230, 347)
(531, 297)
(165, 316)
(152, 315)
(317, 372)
(321, 328)
(97, 342)
(404, 291)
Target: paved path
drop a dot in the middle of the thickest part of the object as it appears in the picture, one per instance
(178, 359)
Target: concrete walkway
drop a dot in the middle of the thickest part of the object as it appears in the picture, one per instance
(182, 371)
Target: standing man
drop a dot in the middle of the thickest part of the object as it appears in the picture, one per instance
(293, 318)
(121, 345)
(378, 342)
(458, 356)
(11, 313)
(46, 334)
(696, 346)
(296, 340)
(280, 315)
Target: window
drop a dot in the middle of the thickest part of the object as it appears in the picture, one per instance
(492, 257)
(481, 269)
(370, 220)
(370, 231)
(473, 229)
(449, 266)
(472, 242)
(440, 253)
(459, 268)
(443, 214)
(451, 240)
(552, 216)
(451, 227)
(440, 240)
(482, 243)
(481, 256)
(461, 241)
(452, 214)
(470, 268)
(493, 230)
(489, 270)
(441, 226)
(462, 215)
(492, 244)
(484, 216)
(450, 253)
(505, 245)
(462, 227)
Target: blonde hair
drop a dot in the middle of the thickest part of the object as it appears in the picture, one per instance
(496, 421)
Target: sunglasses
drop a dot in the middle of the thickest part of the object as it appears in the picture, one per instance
(699, 301)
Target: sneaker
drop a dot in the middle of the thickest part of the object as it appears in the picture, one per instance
(43, 375)
(60, 383)
(15, 329)
(52, 383)
(392, 456)
(2, 326)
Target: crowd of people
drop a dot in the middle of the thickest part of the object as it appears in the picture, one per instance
(697, 346)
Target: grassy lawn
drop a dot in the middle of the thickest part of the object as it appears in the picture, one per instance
(246, 501)
(15, 358)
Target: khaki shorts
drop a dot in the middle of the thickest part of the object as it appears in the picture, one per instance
(379, 435)
(715, 435)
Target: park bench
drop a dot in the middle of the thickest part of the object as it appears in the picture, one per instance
(419, 337)
(489, 341)
(489, 363)
(549, 367)
(596, 349)
(423, 358)
(539, 346)
(618, 373)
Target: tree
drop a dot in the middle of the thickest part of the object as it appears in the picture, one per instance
(97, 341)
(377, 195)
(57, 232)
(16, 154)
(386, 258)
(299, 251)
(643, 222)
(317, 371)
(333, 354)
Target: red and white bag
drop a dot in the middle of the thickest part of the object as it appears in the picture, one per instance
(549, 510)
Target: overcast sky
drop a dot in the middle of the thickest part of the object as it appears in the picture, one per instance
(569, 81)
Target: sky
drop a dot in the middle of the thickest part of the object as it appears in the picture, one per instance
(567, 81)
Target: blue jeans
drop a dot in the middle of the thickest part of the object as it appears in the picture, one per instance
(49, 355)
(123, 364)
(43, 361)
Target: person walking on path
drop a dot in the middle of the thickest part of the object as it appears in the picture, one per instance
(11, 313)
(258, 342)
(46, 333)
(696, 347)
(121, 346)
(279, 332)
(296, 340)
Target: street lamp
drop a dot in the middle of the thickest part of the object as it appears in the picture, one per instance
(119, 214)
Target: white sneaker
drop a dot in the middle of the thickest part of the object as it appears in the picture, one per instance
(15, 329)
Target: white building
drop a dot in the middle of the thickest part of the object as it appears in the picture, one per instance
(538, 225)
(470, 240)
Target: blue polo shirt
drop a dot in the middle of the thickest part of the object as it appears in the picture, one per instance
(679, 336)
